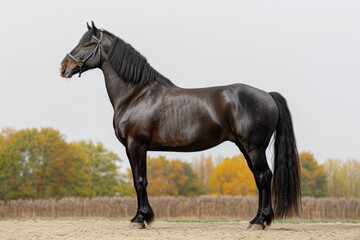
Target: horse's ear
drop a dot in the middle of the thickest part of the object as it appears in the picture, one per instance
(88, 26)
(95, 30)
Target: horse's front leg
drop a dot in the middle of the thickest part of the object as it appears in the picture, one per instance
(136, 153)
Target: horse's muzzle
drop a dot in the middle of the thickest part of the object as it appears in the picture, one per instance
(62, 70)
(65, 70)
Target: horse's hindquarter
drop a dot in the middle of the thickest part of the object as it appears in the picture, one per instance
(253, 115)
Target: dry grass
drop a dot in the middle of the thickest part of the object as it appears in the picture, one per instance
(191, 208)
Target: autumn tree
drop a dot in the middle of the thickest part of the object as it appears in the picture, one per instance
(101, 166)
(313, 177)
(343, 178)
(1, 139)
(41, 164)
(203, 167)
(232, 177)
(37, 164)
(353, 175)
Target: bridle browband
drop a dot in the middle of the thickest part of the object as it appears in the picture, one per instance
(81, 62)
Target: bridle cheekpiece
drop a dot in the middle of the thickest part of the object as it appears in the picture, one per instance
(81, 62)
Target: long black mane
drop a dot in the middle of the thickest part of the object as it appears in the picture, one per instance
(129, 64)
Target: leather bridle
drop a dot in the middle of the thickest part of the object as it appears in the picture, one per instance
(81, 62)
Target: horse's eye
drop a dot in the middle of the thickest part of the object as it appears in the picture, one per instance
(86, 45)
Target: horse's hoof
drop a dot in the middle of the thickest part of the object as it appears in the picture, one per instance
(136, 225)
(250, 226)
(256, 227)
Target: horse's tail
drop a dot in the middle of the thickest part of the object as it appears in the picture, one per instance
(286, 182)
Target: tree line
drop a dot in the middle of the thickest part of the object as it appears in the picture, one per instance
(40, 163)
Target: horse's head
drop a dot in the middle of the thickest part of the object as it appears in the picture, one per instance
(88, 54)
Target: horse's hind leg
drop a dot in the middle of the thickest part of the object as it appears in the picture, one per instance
(248, 160)
(262, 175)
(137, 157)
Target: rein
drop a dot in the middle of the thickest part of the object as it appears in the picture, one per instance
(81, 62)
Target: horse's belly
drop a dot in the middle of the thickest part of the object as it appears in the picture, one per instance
(188, 140)
(193, 147)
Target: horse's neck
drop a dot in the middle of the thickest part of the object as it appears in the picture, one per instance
(120, 91)
(116, 87)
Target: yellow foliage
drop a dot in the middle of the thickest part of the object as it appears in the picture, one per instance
(343, 178)
(232, 177)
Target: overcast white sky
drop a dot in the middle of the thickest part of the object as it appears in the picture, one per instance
(307, 50)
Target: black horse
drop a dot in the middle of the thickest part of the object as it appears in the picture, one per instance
(153, 114)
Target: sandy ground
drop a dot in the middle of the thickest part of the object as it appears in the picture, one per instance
(114, 229)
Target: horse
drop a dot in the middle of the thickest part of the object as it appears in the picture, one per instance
(153, 114)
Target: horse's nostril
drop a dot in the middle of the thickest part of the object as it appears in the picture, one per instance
(62, 68)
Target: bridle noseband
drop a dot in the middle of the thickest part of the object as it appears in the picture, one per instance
(81, 62)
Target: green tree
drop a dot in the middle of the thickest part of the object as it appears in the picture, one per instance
(232, 177)
(101, 166)
(41, 164)
(193, 185)
(38, 164)
(313, 176)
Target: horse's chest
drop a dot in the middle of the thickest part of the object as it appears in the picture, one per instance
(120, 136)
(129, 127)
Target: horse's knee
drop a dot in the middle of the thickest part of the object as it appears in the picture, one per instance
(145, 182)
(141, 183)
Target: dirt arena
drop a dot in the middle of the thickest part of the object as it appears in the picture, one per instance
(117, 229)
